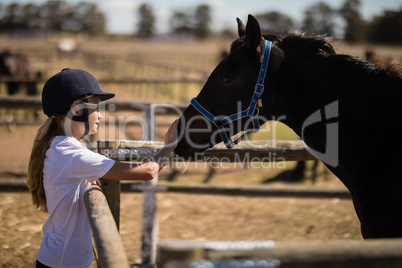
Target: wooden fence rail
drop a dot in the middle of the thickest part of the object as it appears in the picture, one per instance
(245, 190)
(313, 254)
(112, 80)
(245, 151)
(35, 103)
(11, 102)
(109, 247)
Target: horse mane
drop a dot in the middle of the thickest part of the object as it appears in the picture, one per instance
(319, 48)
(312, 46)
(298, 42)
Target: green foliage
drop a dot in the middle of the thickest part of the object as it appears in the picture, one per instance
(196, 23)
(356, 27)
(146, 21)
(319, 19)
(51, 16)
(274, 22)
(56, 16)
(180, 22)
(386, 29)
(202, 20)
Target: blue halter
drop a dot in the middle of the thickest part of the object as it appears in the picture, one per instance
(250, 112)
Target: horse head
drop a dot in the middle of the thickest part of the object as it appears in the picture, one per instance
(228, 91)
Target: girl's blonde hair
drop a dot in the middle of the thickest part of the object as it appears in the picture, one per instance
(51, 128)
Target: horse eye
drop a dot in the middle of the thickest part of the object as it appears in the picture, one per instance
(226, 81)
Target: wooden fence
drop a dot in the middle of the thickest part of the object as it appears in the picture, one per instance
(180, 254)
(121, 64)
(142, 150)
(147, 65)
(109, 247)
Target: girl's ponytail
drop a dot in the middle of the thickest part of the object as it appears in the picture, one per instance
(51, 128)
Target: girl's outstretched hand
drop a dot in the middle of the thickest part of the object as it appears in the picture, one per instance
(171, 135)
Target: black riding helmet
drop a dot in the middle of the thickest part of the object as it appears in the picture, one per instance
(63, 88)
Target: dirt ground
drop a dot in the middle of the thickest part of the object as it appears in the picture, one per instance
(189, 217)
(181, 216)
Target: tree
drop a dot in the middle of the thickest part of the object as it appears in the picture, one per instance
(10, 19)
(180, 22)
(51, 11)
(202, 19)
(319, 19)
(355, 29)
(31, 16)
(274, 22)
(52, 16)
(386, 29)
(146, 21)
(190, 22)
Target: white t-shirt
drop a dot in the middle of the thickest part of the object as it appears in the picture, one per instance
(69, 170)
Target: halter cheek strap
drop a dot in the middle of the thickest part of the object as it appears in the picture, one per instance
(252, 111)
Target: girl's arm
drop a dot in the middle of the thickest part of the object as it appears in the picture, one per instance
(147, 170)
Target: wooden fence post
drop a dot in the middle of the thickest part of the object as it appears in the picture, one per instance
(150, 226)
(112, 188)
(108, 242)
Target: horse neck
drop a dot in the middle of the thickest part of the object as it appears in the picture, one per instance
(298, 89)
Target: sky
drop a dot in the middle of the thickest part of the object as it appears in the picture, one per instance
(121, 14)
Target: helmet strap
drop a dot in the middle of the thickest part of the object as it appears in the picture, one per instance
(81, 118)
(87, 143)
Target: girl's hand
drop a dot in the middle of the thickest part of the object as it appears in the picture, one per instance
(171, 135)
(97, 182)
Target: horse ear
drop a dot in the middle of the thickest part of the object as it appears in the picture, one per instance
(253, 33)
(241, 28)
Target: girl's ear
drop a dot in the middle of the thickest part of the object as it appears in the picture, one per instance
(75, 109)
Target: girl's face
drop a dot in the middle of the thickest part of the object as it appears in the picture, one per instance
(94, 115)
(77, 128)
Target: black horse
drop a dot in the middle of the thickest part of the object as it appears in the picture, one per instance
(343, 107)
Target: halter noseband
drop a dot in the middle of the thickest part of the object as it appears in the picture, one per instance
(249, 112)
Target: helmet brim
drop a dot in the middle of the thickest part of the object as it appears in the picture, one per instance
(105, 96)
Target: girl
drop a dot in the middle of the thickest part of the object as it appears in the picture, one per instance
(61, 169)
